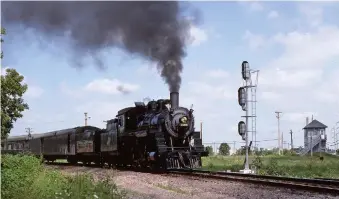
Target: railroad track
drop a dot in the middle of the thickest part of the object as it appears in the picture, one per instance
(327, 186)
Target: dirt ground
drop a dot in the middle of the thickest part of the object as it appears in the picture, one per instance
(145, 185)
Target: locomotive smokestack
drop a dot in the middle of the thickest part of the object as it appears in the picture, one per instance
(174, 99)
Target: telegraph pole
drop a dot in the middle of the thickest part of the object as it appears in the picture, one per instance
(85, 119)
(29, 131)
(336, 132)
(282, 142)
(291, 132)
(278, 117)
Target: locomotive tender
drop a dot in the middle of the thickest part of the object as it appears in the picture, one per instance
(159, 135)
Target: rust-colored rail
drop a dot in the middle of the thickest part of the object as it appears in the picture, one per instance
(315, 185)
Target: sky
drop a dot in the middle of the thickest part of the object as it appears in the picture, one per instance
(295, 45)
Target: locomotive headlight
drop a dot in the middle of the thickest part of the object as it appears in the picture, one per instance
(183, 121)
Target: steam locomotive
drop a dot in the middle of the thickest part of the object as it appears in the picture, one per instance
(159, 135)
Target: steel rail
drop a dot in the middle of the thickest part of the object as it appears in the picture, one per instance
(327, 186)
(323, 181)
(315, 185)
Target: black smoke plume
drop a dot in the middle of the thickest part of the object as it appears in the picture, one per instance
(155, 30)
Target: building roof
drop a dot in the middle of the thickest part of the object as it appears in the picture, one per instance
(315, 124)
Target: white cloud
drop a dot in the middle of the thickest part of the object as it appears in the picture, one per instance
(212, 91)
(198, 36)
(217, 73)
(71, 92)
(270, 95)
(275, 79)
(254, 41)
(256, 6)
(308, 50)
(313, 13)
(273, 14)
(149, 69)
(3, 70)
(298, 116)
(304, 57)
(110, 86)
(34, 92)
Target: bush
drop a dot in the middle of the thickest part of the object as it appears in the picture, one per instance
(24, 177)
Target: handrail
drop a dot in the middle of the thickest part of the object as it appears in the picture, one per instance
(315, 141)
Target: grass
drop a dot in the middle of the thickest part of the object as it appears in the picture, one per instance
(287, 165)
(23, 176)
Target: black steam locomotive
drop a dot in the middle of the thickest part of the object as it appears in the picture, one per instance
(157, 135)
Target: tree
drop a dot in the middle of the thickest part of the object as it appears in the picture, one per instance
(224, 149)
(209, 150)
(241, 151)
(12, 103)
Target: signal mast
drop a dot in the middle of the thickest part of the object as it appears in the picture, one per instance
(244, 103)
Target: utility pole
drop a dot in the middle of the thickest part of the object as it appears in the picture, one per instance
(29, 131)
(234, 147)
(311, 145)
(291, 132)
(85, 119)
(278, 117)
(200, 130)
(336, 132)
(282, 142)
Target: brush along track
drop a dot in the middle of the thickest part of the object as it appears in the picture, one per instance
(315, 185)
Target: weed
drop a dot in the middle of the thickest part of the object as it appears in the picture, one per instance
(24, 177)
(284, 165)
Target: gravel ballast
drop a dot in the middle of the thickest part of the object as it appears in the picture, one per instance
(145, 185)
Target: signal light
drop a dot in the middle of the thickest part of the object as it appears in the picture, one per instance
(245, 70)
(242, 129)
(242, 96)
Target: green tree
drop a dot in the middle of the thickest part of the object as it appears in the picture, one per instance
(12, 103)
(210, 150)
(241, 151)
(224, 149)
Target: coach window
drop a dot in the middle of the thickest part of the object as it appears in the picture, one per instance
(122, 121)
(87, 134)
